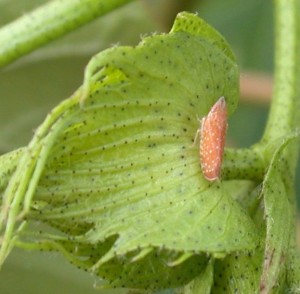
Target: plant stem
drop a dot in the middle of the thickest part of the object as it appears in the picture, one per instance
(47, 23)
(243, 164)
(284, 115)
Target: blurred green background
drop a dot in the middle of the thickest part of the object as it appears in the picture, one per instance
(32, 86)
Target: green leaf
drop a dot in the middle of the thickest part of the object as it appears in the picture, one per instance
(238, 273)
(119, 174)
(198, 27)
(201, 284)
(293, 269)
(203, 70)
(8, 164)
(279, 215)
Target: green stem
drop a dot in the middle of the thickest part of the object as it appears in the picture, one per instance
(243, 164)
(284, 115)
(47, 23)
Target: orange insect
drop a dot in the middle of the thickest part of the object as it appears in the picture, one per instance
(212, 140)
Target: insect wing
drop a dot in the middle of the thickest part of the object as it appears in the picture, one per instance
(212, 140)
